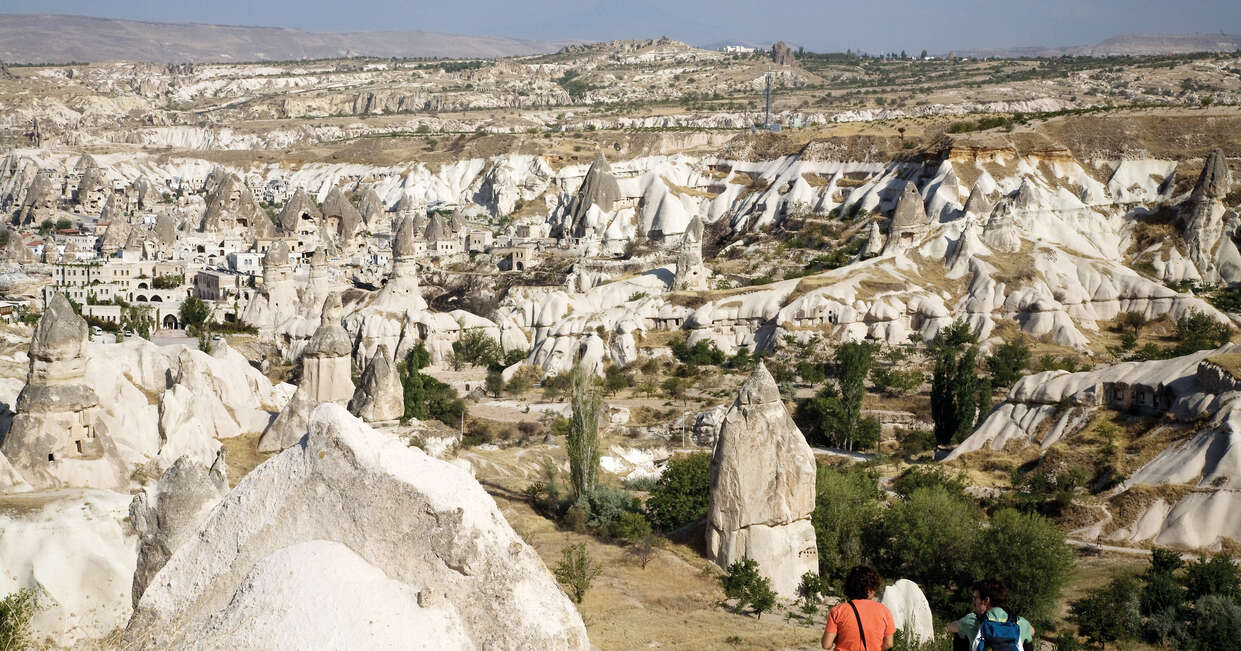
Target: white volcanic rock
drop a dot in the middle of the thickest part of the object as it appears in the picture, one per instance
(762, 488)
(326, 377)
(353, 521)
(74, 550)
(1057, 405)
(910, 610)
(379, 396)
(166, 514)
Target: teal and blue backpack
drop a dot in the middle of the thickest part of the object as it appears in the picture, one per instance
(999, 636)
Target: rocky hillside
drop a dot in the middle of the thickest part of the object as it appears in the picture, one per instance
(45, 38)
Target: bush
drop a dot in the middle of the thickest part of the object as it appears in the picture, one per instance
(16, 610)
(632, 526)
(476, 348)
(930, 539)
(1007, 363)
(577, 570)
(680, 495)
(748, 587)
(895, 382)
(557, 386)
(607, 507)
(1218, 624)
(1216, 575)
(846, 512)
(1110, 614)
(703, 353)
(425, 396)
(929, 476)
(1028, 554)
(1197, 331)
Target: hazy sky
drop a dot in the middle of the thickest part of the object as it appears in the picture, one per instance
(821, 25)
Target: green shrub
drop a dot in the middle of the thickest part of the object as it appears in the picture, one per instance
(1197, 331)
(929, 476)
(1007, 363)
(749, 588)
(846, 512)
(896, 382)
(930, 538)
(1218, 624)
(16, 610)
(680, 495)
(1110, 614)
(577, 570)
(1035, 579)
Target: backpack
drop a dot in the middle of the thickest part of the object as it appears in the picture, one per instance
(999, 636)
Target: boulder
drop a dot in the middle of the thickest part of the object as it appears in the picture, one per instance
(380, 396)
(353, 539)
(763, 488)
(167, 514)
(910, 610)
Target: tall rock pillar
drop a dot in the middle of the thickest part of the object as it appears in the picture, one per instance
(762, 488)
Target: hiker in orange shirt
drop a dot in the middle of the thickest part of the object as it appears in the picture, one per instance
(860, 623)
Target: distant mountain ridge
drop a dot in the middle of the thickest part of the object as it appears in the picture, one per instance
(1123, 45)
(56, 38)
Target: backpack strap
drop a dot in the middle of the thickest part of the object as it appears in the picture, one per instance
(861, 631)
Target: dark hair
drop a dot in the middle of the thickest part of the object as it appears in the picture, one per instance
(861, 582)
(992, 589)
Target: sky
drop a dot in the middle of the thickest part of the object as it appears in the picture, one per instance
(821, 25)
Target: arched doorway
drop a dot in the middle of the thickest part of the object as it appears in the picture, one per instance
(170, 322)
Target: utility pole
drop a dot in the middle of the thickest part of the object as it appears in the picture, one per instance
(767, 114)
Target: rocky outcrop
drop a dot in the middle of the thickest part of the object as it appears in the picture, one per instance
(55, 422)
(326, 377)
(298, 211)
(379, 397)
(341, 219)
(910, 610)
(352, 521)
(782, 54)
(1215, 256)
(762, 488)
(909, 221)
(598, 192)
(166, 514)
(691, 272)
(1053, 407)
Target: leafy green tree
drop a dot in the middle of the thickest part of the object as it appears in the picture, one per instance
(930, 476)
(744, 583)
(1218, 623)
(1007, 362)
(582, 443)
(1198, 331)
(1134, 321)
(959, 397)
(1162, 590)
(475, 347)
(930, 539)
(494, 383)
(1216, 575)
(577, 570)
(846, 512)
(681, 493)
(194, 313)
(1110, 614)
(1045, 561)
(426, 397)
(853, 362)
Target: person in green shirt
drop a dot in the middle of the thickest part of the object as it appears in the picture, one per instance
(989, 594)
